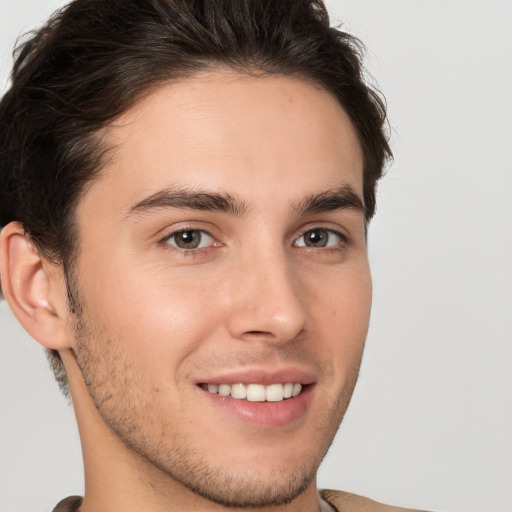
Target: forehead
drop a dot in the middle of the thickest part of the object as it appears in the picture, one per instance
(230, 133)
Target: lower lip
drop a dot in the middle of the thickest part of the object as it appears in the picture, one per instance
(264, 414)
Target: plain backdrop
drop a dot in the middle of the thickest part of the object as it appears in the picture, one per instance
(430, 425)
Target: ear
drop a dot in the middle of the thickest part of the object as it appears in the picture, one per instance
(34, 289)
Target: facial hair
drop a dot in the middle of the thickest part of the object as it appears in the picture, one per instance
(128, 406)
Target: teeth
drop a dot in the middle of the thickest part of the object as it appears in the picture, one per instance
(224, 390)
(213, 388)
(256, 392)
(239, 391)
(274, 393)
(288, 390)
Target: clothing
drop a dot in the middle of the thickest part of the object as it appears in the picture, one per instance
(346, 502)
(339, 500)
(70, 504)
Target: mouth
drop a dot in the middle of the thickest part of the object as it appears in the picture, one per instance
(256, 392)
(261, 397)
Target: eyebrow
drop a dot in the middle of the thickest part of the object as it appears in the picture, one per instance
(342, 198)
(191, 200)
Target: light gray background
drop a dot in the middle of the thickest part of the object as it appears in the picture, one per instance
(430, 425)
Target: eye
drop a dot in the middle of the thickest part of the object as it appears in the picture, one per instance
(190, 239)
(319, 238)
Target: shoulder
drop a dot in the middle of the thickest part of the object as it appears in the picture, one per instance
(347, 502)
(70, 504)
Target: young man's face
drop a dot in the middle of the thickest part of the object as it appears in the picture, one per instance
(224, 247)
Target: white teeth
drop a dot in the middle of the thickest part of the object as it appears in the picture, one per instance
(288, 390)
(274, 393)
(256, 392)
(239, 391)
(213, 388)
(224, 389)
(297, 388)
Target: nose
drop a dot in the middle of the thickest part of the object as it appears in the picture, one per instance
(269, 301)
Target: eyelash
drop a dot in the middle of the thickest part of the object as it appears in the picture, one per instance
(339, 246)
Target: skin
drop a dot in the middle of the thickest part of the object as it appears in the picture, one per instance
(156, 321)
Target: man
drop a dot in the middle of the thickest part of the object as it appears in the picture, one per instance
(186, 188)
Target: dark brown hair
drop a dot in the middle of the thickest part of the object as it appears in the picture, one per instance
(95, 58)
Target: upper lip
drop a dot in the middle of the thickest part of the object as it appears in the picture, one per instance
(261, 376)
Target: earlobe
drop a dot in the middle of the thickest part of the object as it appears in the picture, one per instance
(27, 278)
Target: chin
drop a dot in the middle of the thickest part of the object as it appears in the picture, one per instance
(247, 487)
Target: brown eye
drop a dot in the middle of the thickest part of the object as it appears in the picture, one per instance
(319, 238)
(190, 239)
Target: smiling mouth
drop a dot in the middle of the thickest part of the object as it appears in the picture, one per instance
(256, 392)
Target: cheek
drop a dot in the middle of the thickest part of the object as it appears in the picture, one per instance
(342, 312)
(156, 316)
